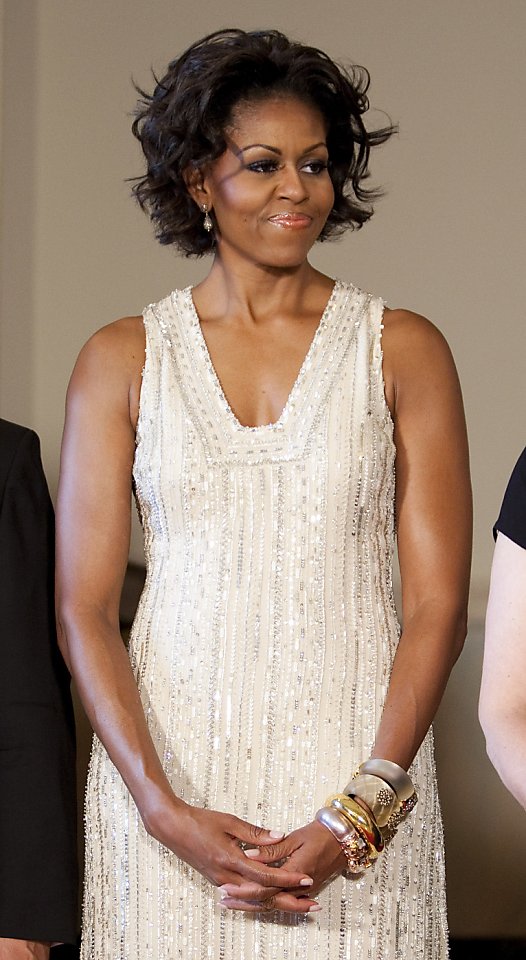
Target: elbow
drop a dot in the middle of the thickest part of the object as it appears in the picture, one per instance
(78, 623)
(63, 646)
(484, 714)
(493, 748)
(505, 737)
(459, 634)
(496, 717)
(494, 725)
(487, 729)
(490, 723)
(62, 635)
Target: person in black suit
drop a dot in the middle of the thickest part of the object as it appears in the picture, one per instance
(38, 859)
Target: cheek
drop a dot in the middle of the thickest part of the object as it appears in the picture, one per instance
(329, 194)
(238, 198)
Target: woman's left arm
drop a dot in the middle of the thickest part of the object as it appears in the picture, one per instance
(434, 521)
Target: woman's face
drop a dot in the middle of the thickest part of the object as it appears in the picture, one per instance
(270, 191)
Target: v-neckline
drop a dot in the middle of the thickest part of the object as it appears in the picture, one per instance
(296, 386)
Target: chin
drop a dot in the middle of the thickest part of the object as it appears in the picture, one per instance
(286, 259)
(283, 263)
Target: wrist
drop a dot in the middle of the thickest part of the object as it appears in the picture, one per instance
(356, 853)
(158, 806)
(392, 773)
(332, 841)
(378, 797)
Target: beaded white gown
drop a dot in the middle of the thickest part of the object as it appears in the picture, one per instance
(262, 647)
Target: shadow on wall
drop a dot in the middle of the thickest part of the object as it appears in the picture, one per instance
(484, 826)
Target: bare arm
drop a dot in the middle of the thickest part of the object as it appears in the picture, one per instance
(93, 532)
(433, 509)
(503, 693)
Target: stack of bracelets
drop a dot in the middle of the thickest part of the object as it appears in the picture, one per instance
(388, 794)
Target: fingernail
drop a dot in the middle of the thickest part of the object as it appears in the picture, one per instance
(224, 892)
(306, 882)
(314, 909)
(254, 852)
(276, 834)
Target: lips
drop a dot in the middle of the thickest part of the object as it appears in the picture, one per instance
(291, 220)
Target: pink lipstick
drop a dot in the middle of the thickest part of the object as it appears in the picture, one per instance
(291, 221)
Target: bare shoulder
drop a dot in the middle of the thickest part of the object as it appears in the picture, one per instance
(416, 356)
(113, 355)
(117, 345)
(412, 335)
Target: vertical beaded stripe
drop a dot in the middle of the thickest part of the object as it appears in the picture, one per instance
(262, 647)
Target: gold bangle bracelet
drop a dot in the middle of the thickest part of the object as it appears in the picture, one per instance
(378, 795)
(360, 819)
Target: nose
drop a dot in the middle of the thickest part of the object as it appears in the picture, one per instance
(292, 185)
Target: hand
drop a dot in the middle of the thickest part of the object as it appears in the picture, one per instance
(312, 849)
(211, 842)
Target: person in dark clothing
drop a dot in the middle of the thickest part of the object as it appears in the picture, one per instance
(38, 855)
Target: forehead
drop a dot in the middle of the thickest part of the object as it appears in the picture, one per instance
(277, 118)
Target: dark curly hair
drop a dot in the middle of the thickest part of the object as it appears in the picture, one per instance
(182, 125)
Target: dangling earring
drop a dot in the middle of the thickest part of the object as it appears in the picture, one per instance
(207, 222)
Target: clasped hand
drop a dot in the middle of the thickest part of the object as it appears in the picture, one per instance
(312, 849)
(274, 873)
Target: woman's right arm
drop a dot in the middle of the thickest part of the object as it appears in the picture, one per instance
(93, 535)
(502, 708)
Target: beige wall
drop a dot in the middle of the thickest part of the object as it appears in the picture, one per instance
(447, 240)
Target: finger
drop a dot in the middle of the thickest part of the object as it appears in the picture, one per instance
(268, 876)
(281, 901)
(248, 891)
(291, 904)
(271, 876)
(250, 833)
(254, 891)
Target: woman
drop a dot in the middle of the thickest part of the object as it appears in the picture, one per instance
(502, 697)
(265, 662)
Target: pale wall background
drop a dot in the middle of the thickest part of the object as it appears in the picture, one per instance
(447, 241)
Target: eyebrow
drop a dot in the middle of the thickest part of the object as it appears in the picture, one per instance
(266, 146)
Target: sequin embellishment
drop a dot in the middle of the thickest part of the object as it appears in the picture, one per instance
(262, 648)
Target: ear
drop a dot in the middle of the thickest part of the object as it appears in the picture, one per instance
(194, 178)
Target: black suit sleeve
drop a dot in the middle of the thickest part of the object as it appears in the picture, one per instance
(512, 517)
(38, 869)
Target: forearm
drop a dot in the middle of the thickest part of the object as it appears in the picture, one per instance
(429, 646)
(101, 668)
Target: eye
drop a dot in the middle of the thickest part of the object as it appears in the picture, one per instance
(263, 166)
(315, 167)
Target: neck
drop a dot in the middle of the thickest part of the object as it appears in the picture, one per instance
(258, 291)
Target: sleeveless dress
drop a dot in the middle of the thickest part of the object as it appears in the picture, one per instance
(262, 648)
